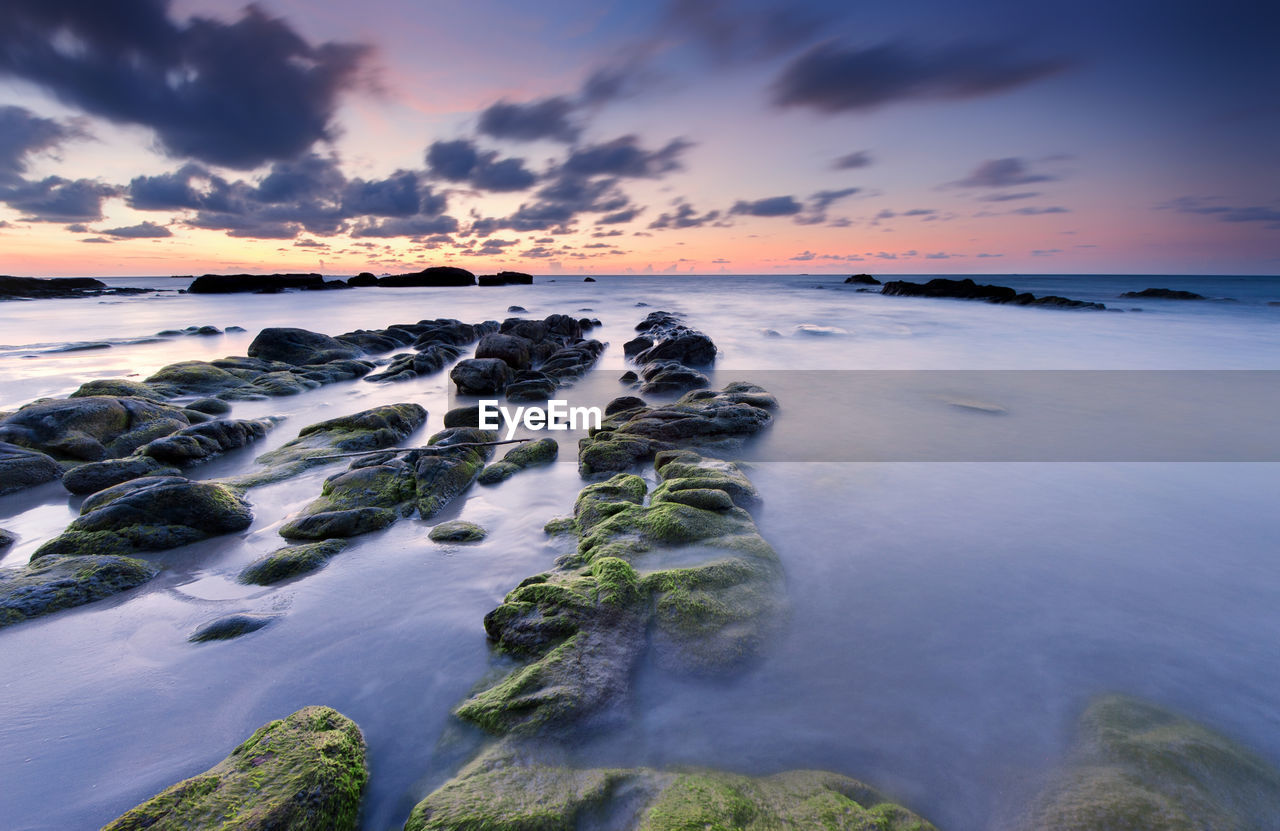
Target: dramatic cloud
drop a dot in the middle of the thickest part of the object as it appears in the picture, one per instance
(549, 118)
(1001, 173)
(55, 199)
(143, 230)
(625, 157)
(22, 133)
(462, 161)
(832, 77)
(618, 218)
(852, 161)
(235, 94)
(771, 206)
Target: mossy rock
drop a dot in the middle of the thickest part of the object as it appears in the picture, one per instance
(116, 388)
(231, 626)
(54, 583)
(290, 561)
(1139, 766)
(92, 477)
(306, 772)
(510, 789)
(457, 530)
(21, 467)
(193, 378)
(540, 452)
(150, 514)
(330, 524)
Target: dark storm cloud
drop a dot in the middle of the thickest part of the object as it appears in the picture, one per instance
(23, 133)
(55, 199)
(143, 230)
(771, 206)
(624, 156)
(398, 195)
(548, 118)
(462, 161)
(1001, 173)
(236, 94)
(833, 77)
(406, 227)
(852, 161)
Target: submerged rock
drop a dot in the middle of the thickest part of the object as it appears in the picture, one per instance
(457, 530)
(231, 626)
(1138, 766)
(306, 772)
(510, 789)
(150, 514)
(54, 583)
(540, 452)
(583, 626)
(290, 561)
(701, 418)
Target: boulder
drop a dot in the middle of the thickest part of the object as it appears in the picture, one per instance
(290, 561)
(259, 283)
(1164, 294)
(90, 428)
(231, 626)
(299, 346)
(306, 772)
(457, 530)
(21, 467)
(861, 280)
(514, 350)
(55, 583)
(150, 514)
(480, 376)
(522, 456)
(95, 476)
(362, 280)
(435, 276)
(200, 442)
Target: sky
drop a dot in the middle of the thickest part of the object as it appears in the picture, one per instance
(157, 137)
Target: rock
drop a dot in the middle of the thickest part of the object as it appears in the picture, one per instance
(212, 406)
(698, 419)
(480, 376)
(231, 626)
(406, 367)
(588, 279)
(116, 388)
(201, 442)
(966, 289)
(457, 530)
(306, 772)
(290, 561)
(583, 626)
(206, 331)
(436, 276)
(95, 476)
(55, 583)
(150, 514)
(635, 346)
(517, 310)
(259, 283)
(462, 417)
(506, 278)
(372, 429)
(861, 280)
(511, 349)
(1138, 766)
(1164, 294)
(671, 376)
(540, 452)
(234, 329)
(510, 789)
(299, 346)
(363, 280)
(35, 288)
(326, 525)
(6, 539)
(22, 468)
(623, 402)
(90, 428)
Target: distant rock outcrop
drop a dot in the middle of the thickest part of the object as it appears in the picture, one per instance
(967, 289)
(506, 278)
(36, 288)
(862, 280)
(1164, 294)
(433, 277)
(260, 283)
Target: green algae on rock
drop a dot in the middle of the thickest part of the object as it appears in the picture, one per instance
(54, 583)
(290, 561)
(230, 626)
(540, 452)
(372, 429)
(91, 428)
(306, 772)
(508, 790)
(583, 626)
(1139, 766)
(150, 514)
(699, 419)
(457, 530)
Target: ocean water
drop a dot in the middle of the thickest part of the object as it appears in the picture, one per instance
(949, 619)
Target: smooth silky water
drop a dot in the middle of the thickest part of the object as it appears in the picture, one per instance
(947, 621)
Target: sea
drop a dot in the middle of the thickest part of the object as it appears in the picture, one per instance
(987, 515)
